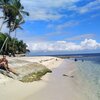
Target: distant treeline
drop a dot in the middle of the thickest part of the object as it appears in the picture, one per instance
(12, 46)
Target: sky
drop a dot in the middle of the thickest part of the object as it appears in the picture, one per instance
(61, 26)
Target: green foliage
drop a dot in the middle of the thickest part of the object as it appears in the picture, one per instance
(13, 12)
(13, 45)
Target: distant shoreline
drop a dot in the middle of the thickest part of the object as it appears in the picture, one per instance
(57, 55)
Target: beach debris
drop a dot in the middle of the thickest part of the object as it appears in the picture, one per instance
(56, 59)
(68, 76)
(72, 76)
(65, 75)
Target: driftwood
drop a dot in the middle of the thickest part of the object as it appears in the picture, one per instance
(68, 75)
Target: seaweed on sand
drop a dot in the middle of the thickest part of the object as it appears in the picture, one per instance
(35, 76)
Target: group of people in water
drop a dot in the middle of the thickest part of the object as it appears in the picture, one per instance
(77, 59)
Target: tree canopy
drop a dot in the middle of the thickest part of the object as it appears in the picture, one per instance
(13, 12)
(13, 45)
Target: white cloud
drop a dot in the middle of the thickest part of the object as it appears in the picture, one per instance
(55, 34)
(90, 7)
(90, 44)
(87, 44)
(80, 37)
(67, 24)
(48, 9)
(48, 3)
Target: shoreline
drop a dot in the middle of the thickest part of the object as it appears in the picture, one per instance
(52, 86)
(14, 90)
(59, 87)
(28, 65)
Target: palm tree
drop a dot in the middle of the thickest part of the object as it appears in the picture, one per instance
(17, 25)
(15, 12)
(2, 38)
(12, 10)
(19, 47)
(2, 5)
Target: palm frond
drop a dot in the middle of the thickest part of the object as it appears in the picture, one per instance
(20, 27)
(24, 12)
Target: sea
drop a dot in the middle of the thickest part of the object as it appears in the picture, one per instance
(88, 73)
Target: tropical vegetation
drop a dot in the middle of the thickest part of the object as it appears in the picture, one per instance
(13, 13)
(13, 45)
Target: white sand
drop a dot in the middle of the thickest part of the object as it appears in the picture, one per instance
(53, 86)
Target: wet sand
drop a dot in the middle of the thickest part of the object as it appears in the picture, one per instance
(59, 87)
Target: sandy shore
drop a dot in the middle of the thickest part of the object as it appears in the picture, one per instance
(59, 87)
(13, 89)
(53, 86)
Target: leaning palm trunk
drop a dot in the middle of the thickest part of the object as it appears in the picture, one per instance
(4, 43)
(6, 40)
(1, 26)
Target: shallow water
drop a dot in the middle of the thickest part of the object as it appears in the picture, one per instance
(89, 73)
(59, 87)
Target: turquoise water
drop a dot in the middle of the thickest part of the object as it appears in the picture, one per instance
(89, 72)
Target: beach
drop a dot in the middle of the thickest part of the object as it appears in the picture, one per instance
(49, 50)
(61, 84)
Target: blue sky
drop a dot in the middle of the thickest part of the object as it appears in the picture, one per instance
(62, 25)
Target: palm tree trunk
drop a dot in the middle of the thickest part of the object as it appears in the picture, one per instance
(15, 33)
(1, 26)
(4, 42)
(14, 40)
(2, 22)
